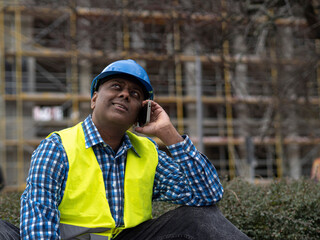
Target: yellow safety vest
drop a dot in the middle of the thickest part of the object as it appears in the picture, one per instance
(84, 208)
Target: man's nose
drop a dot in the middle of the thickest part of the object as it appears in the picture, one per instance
(125, 94)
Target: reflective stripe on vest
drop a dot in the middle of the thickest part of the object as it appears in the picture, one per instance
(84, 203)
(76, 232)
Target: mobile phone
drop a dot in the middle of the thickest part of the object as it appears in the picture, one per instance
(144, 114)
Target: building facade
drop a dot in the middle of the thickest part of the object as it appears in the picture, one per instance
(242, 78)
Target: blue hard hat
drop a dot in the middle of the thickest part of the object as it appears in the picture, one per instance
(128, 67)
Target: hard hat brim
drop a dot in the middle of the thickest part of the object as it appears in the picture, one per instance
(103, 75)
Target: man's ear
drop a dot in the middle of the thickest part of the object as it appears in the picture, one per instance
(93, 100)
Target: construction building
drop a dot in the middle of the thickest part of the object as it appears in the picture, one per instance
(241, 78)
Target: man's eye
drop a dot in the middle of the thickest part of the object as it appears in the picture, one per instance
(135, 94)
(116, 85)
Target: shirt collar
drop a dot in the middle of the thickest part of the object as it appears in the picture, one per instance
(93, 137)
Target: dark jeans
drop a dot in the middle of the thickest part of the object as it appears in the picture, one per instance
(193, 223)
(8, 231)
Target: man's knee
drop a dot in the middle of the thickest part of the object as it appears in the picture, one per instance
(204, 213)
(196, 217)
(205, 222)
(8, 231)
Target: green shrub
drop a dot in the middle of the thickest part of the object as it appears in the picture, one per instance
(280, 210)
(10, 207)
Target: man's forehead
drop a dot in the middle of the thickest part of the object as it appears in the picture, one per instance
(132, 83)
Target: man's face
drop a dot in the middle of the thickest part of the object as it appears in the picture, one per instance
(117, 103)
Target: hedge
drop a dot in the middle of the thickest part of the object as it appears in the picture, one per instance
(283, 209)
(10, 207)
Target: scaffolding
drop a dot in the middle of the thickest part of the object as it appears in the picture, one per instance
(50, 52)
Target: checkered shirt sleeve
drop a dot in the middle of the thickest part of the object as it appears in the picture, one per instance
(187, 178)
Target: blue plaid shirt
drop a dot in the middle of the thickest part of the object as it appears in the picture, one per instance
(185, 178)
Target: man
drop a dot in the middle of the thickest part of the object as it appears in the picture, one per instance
(315, 170)
(1, 179)
(97, 180)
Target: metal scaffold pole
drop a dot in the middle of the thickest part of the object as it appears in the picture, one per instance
(228, 96)
(277, 121)
(3, 162)
(178, 76)
(19, 107)
(199, 104)
(125, 30)
(317, 42)
(126, 37)
(74, 66)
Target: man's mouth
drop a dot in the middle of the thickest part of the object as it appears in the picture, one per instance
(121, 106)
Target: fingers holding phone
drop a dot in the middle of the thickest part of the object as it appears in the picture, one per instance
(144, 114)
(156, 122)
(152, 117)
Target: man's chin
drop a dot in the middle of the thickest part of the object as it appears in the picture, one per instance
(122, 123)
